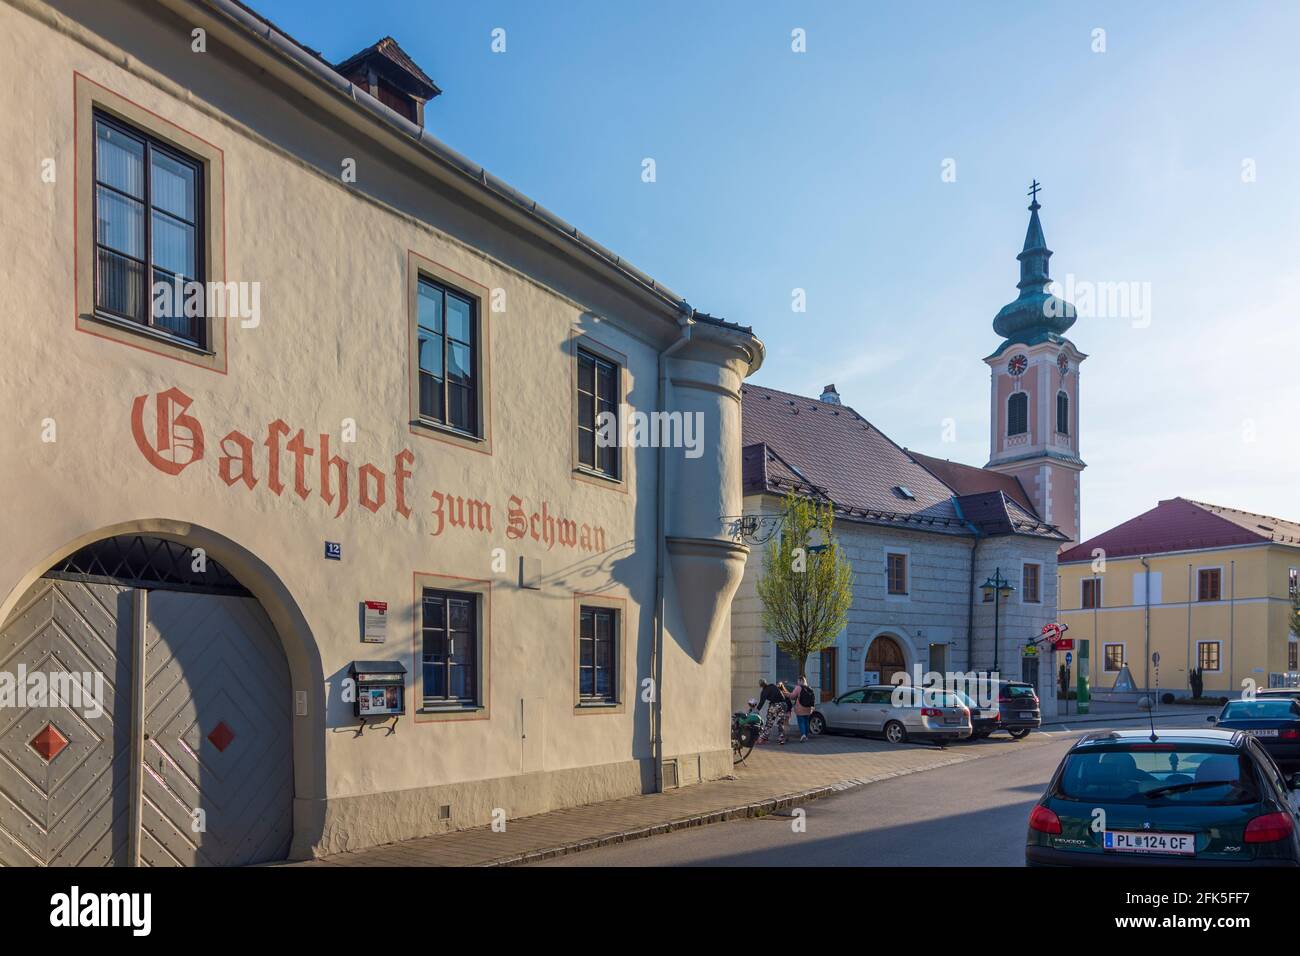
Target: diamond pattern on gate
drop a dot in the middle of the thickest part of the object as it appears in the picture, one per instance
(49, 743)
(221, 736)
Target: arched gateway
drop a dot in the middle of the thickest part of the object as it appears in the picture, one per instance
(885, 658)
(160, 732)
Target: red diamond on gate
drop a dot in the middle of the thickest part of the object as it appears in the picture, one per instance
(221, 736)
(49, 743)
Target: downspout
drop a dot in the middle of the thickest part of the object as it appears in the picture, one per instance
(1146, 679)
(970, 604)
(1189, 624)
(661, 559)
(1232, 627)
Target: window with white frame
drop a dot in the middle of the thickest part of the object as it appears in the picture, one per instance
(1031, 584)
(896, 573)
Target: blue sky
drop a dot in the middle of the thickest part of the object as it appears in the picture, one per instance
(822, 171)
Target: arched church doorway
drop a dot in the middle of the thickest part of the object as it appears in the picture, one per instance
(884, 658)
(169, 739)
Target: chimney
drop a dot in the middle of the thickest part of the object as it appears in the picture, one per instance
(830, 396)
(386, 72)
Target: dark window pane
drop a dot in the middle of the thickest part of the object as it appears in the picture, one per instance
(586, 412)
(119, 223)
(430, 346)
(433, 614)
(172, 186)
(119, 285)
(460, 407)
(119, 160)
(430, 307)
(459, 318)
(608, 462)
(168, 310)
(603, 683)
(459, 363)
(173, 245)
(604, 626)
(586, 654)
(605, 653)
(586, 629)
(605, 382)
(460, 615)
(430, 397)
(586, 374)
(586, 682)
(587, 447)
(435, 680)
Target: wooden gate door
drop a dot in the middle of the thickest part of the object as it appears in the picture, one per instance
(218, 748)
(65, 770)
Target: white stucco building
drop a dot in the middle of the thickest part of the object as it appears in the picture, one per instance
(374, 455)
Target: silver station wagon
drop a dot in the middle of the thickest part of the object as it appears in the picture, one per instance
(919, 715)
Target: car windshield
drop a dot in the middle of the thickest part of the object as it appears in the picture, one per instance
(1159, 775)
(1259, 709)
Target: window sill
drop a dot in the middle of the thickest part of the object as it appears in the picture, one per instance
(149, 333)
(451, 709)
(447, 430)
(597, 475)
(598, 705)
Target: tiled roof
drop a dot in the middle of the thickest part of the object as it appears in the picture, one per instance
(969, 480)
(1180, 524)
(792, 442)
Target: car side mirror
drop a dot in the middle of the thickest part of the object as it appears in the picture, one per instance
(1293, 781)
(1212, 720)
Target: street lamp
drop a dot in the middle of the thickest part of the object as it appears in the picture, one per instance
(1000, 586)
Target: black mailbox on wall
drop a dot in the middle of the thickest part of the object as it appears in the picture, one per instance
(381, 688)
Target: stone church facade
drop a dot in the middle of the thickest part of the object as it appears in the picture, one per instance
(922, 533)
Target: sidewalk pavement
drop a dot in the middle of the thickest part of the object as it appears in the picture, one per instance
(1109, 712)
(773, 778)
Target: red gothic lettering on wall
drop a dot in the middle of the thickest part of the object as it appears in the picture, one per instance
(169, 416)
(177, 443)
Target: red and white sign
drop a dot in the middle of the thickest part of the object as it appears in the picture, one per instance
(374, 626)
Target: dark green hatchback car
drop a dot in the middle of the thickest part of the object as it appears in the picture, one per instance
(1185, 798)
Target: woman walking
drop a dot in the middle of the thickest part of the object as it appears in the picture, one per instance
(803, 700)
(778, 710)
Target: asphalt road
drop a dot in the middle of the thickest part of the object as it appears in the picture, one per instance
(967, 814)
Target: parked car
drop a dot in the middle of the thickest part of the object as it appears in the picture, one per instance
(916, 714)
(1184, 797)
(983, 720)
(1018, 707)
(1270, 692)
(1274, 720)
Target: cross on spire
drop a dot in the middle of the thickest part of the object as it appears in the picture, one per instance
(1033, 191)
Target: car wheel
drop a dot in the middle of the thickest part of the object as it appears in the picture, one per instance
(895, 732)
(816, 724)
(1019, 733)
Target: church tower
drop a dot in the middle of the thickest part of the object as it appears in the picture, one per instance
(1035, 389)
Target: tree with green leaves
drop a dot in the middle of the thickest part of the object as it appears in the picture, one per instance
(807, 585)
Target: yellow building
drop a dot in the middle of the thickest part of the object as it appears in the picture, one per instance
(1205, 586)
